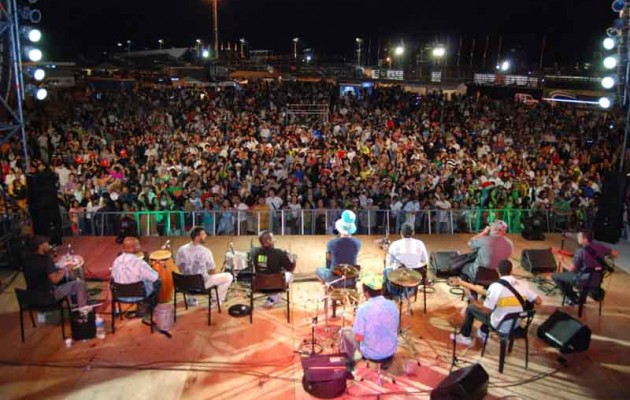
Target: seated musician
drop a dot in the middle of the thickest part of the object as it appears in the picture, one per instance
(407, 253)
(128, 267)
(195, 258)
(587, 267)
(500, 301)
(41, 273)
(269, 260)
(375, 329)
(343, 249)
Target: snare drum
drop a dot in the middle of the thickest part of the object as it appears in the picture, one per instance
(162, 262)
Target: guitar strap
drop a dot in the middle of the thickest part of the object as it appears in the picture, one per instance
(518, 296)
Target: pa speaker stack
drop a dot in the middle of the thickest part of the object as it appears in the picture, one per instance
(468, 383)
(609, 219)
(44, 205)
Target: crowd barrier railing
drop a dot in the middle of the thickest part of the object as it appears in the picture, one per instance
(316, 222)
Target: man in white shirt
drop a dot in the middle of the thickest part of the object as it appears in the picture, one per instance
(500, 301)
(406, 252)
(129, 268)
(444, 206)
(194, 258)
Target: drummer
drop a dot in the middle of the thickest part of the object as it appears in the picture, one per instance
(341, 250)
(129, 268)
(406, 252)
(195, 258)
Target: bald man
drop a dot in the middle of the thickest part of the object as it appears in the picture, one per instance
(128, 268)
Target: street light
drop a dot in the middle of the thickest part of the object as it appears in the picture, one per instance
(439, 51)
(128, 46)
(160, 43)
(505, 66)
(205, 53)
(243, 41)
(359, 43)
(295, 43)
(399, 50)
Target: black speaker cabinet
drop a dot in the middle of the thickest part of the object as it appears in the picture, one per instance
(565, 333)
(609, 219)
(468, 383)
(44, 205)
(538, 261)
(440, 263)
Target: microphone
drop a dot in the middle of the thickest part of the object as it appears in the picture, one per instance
(251, 243)
(166, 245)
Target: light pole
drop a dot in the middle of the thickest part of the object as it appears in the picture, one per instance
(399, 51)
(198, 47)
(128, 46)
(242, 40)
(215, 19)
(160, 43)
(438, 53)
(359, 43)
(295, 43)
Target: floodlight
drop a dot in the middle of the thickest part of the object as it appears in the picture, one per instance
(33, 53)
(41, 94)
(609, 43)
(608, 82)
(604, 102)
(610, 62)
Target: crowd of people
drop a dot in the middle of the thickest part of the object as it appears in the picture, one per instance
(236, 159)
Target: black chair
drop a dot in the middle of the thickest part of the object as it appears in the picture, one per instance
(382, 365)
(519, 323)
(193, 285)
(40, 300)
(588, 289)
(269, 284)
(486, 277)
(131, 293)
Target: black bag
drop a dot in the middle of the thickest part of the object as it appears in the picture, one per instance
(83, 325)
(325, 375)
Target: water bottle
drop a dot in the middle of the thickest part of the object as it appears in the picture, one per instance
(100, 327)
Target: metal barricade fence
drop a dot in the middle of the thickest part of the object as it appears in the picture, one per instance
(315, 221)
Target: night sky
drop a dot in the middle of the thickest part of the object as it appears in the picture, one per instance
(574, 28)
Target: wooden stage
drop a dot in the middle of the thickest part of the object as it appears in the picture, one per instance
(235, 360)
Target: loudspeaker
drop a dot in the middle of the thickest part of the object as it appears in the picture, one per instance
(534, 229)
(538, 261)
(440, 263)
(44, 205)
(325, 375)
(608, 222)
(468, 383)
(565, 333)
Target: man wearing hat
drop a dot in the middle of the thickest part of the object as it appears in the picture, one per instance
(343, 249)
(375, 329)
(491, 247)
(41, 273)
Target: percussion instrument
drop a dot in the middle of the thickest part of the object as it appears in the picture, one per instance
(346, 270)
(162, 262)
(405, 277)
(236, 261)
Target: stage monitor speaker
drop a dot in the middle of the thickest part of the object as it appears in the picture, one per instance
(565, 333)
(468, 383)
(538, 261)
(609, 220)
(441, 262)
(325, 375)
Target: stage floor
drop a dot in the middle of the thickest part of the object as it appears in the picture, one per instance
(235, 360)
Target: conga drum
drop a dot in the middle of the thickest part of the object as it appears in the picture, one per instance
(162, 262)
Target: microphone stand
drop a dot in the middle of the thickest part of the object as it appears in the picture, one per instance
(454, 360)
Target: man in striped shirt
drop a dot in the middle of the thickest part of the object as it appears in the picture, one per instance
(499, 302)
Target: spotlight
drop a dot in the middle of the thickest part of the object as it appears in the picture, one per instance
(604, 102)
(37, 73)
(609, 43)
(505, 65)
(32, 14)
(205, 53)
(41, 94)
(34, 35)
(610, 62)
(608, 82)
(399, 50)
(33, 53)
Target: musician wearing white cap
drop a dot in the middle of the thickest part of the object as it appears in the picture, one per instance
(194, 258)
(406, 252)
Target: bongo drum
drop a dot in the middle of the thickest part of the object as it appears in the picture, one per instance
(162, 262)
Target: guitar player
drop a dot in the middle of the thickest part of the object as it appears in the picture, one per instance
(505, 296)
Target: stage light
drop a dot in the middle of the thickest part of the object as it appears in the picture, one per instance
(205, 53)
(618, 5)
(399, 50)
(308, 58)
(604, 102)
(41, 94)
(610, 62)
(608, 82)
(37, 73)
(609, 43)
(34, 54)
(505, 66)
(34, 35)
(31, 14)
(439, 51)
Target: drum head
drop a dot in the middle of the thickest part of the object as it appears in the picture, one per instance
(160, 255)
(239, 310)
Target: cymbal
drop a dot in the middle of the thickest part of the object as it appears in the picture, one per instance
(347, 270)
(341, 294)
(405, 277)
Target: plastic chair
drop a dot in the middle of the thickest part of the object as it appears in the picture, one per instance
(269, 284)
(40, 300)
(131, 293)
(597, 293)
(519, 323)
(192, 285)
